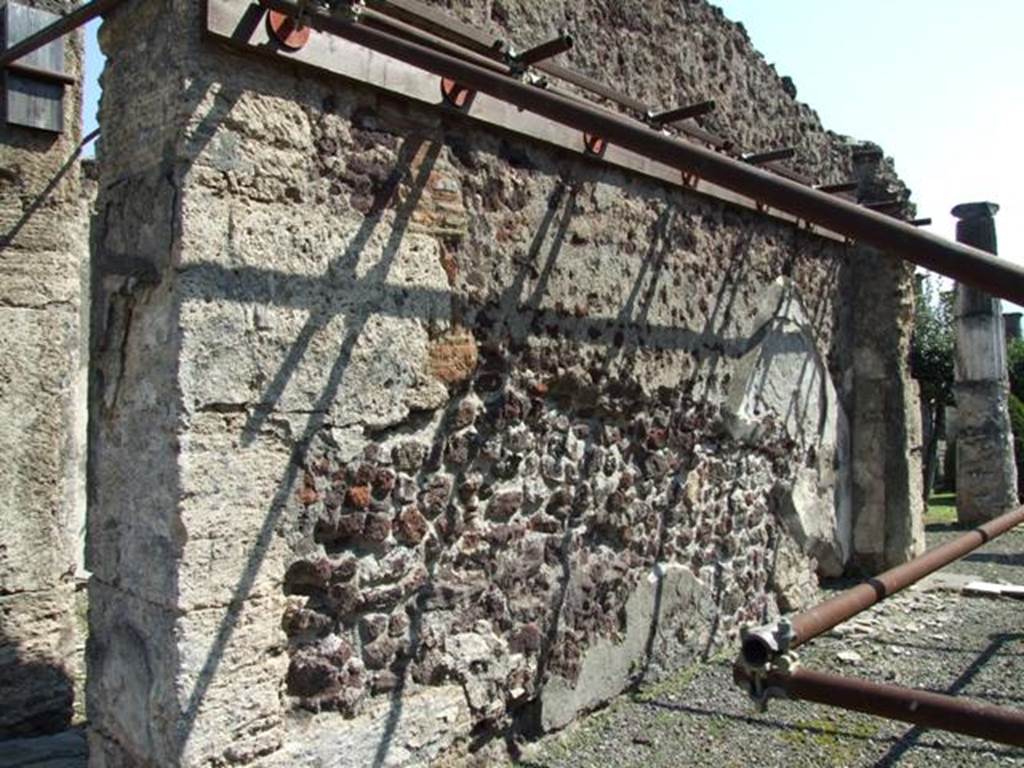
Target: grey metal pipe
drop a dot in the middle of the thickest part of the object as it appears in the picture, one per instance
(885, 233)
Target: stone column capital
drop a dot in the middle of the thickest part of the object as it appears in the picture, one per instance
(982, 210)
(976, 225)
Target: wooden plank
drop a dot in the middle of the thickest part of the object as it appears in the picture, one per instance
(32, 101)
(20, 21)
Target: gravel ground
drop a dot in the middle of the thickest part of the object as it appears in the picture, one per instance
(925, 637)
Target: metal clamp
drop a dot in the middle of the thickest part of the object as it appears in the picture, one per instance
(594, 145)
(765, 650)
(456, 95)
(289, 32)
(760, 645)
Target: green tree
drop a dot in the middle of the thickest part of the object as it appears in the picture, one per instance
(1017, 425)
(1015, 366)
(931, 363)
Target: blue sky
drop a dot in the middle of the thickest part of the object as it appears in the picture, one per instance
(938, 83)
(93, 67)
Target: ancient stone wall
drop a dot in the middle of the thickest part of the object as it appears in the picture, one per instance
(43, 259)
(406, 432)
(883, 403)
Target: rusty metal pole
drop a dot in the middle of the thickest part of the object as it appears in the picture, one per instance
(493, 60)
(429, 18)
(686, 112)
(931, 710)
(889, 235)
(545, 50)
(760, 158)
(822, 617)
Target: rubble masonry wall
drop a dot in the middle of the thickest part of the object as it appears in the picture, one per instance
(406, 431)
(43, 344)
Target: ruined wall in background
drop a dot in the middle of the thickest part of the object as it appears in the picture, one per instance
(405, 431)
(879, 395)
(43, 261)
(887, 444)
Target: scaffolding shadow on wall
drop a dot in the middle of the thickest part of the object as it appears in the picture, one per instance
(488, 80)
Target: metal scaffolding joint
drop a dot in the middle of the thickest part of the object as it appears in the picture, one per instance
(760, 645)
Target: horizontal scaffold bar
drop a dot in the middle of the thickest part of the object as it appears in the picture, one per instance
(824, 616)
(931, 710)
(963, 263)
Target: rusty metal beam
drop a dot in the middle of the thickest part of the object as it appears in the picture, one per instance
(685, 112)
(931, 710)
(490, 59)
(546, 50)
(892, 205)
(75, 19)
(969, 265)
(452, 29)
(441, 24)
(824, 616)
(593, 86)
(842, 186)
(771, 156)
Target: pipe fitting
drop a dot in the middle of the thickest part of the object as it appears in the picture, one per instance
(764, 651)
(761, 646)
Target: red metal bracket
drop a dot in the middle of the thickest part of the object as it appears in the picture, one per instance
(595, 145)
(287, 31)
(455, 95)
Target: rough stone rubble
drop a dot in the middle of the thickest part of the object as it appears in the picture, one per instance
(43, 349)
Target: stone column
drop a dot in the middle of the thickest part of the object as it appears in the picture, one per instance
(885, 415)
(880, 395)
(43, 253)
(986, 474)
